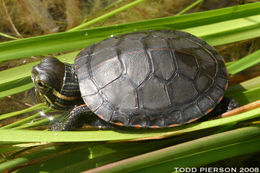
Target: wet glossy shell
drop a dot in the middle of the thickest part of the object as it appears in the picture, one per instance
(151, 79)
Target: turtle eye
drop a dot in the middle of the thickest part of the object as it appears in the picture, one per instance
(41, 84)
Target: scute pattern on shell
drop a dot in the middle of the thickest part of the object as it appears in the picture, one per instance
(151, 79)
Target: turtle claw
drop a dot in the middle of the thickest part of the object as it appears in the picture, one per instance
(57, 127)
(232, 104)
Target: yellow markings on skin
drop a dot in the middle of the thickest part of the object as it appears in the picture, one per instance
(75, 84)
(52, 105)
(59, 95)
(77, 107)
(48, 100)
(70, 90)
(56, 103)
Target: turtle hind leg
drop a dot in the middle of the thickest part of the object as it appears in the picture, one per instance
(76, 118)
(232, 104)
(226, 104)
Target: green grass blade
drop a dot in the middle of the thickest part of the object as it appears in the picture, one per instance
(173, 156)
(100, 154)
(112, 4)
(60, 42)
(245, 92)
(244, 63)
(8, 148)
(83, 156)
(247, 96)
(107, 15)
(206, 157)
(20, 160)
(9, 164)
(58, 162)
(189, 7)
(13, 76)
(12, 114)
(92, 156)
(25, 120)
(37, 123)
(250, 84)
(108, 135)
(16, 89)
(42, 45)
(8, 36)
(228, 31)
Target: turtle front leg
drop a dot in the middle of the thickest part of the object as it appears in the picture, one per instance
(74, 120)
(77, 117)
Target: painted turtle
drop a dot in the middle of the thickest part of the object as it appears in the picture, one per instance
(148, 79)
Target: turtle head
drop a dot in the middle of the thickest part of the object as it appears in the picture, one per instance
(50, 79)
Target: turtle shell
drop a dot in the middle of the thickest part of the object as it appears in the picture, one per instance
(151, 79)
